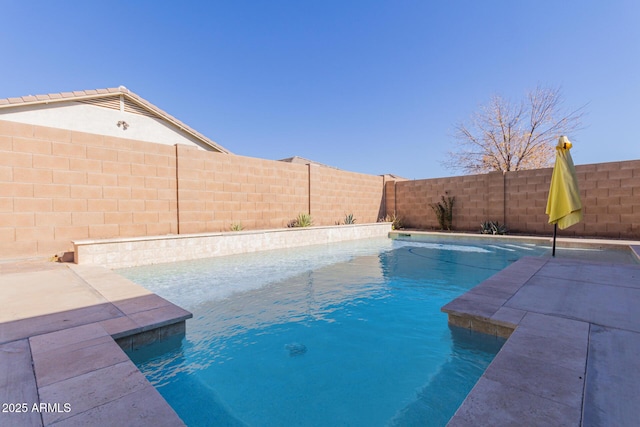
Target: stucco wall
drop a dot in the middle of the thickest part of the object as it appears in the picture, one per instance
(76, 116)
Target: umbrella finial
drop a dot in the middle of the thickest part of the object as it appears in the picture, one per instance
(564, 143)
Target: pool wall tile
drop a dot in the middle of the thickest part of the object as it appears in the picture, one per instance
(132, 342)
(460, 321)
(504, 331)
(483, 327)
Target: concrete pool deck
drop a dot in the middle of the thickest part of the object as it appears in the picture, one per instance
(63, 328)
(572, 357)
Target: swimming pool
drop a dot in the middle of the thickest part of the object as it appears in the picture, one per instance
(347, 334)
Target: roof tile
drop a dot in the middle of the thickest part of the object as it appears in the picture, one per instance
(55, 96)
(42, 97)
(14, 100)
(29, 98)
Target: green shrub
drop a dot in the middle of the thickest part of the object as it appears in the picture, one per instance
(236, 226)
(444, 212)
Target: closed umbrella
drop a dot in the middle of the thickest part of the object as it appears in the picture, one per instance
(563, 205)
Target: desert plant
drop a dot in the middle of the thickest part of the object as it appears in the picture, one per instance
(236, 226)
(349, 219)
(485, 227)
(444, 212)
(493, 227)
(396, 222)
(303, 220)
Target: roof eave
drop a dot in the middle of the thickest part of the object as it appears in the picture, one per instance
(112, 92)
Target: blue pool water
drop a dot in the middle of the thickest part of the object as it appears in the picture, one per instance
(348, 334)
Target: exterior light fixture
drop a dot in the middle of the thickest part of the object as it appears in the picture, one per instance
(123, 124)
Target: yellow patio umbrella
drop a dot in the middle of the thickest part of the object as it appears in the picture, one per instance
(563, 205)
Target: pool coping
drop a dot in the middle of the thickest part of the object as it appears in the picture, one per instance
(561, 242)
(566, 322)
(50, 364)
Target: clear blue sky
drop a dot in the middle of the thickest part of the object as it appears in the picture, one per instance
(367, 86)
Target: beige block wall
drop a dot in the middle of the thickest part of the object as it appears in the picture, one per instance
(217, 190)
(610, 194)
(477, 198)
(611, 199)
(526, 201)
(337, 193)
(58, 185)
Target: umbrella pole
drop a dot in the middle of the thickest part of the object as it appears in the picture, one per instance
(555, 231)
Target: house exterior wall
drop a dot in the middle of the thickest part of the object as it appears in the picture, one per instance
(77, 116)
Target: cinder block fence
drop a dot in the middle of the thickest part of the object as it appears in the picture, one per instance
(610, 195)
(59, 185)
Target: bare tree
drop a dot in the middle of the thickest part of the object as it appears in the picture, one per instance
(505, 136)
